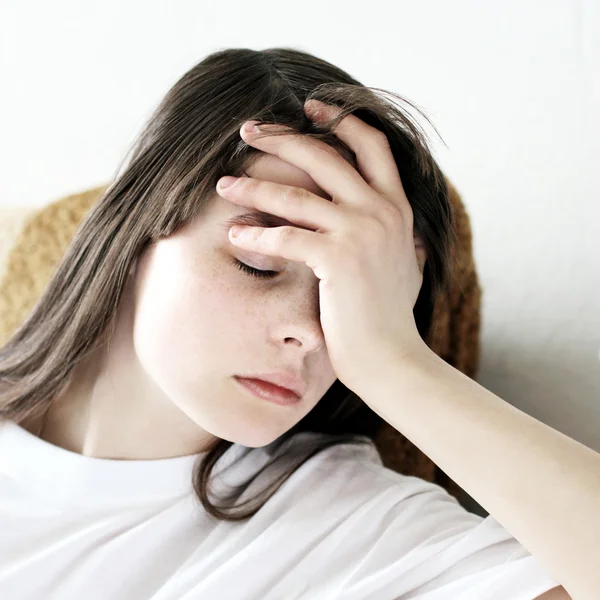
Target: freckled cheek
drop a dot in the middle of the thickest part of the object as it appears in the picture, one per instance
(197, 317)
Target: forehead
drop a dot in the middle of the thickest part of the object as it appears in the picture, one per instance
(272, 168)
(267, 167)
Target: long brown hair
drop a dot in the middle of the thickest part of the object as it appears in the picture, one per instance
(189, 142)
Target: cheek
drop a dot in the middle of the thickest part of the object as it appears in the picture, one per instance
(186, 319)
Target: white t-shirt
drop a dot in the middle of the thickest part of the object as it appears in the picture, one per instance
(343, 527)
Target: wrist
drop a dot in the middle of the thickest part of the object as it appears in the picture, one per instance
(390, 365)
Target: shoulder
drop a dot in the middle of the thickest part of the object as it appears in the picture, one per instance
(349, 476)
(394, 531)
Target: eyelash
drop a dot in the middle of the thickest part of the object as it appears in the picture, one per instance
(254, 272)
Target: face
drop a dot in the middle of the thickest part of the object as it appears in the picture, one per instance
(199, 320)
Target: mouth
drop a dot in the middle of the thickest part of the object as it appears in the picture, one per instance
(269, 391)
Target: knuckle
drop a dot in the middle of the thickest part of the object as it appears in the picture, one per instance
(294, 194)
(327, 150)
(392, 215)
(284, 234)
(380, 137)
(251, 186)
(368, 226)
(376, 228)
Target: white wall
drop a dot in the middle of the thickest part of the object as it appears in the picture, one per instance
(513, 88)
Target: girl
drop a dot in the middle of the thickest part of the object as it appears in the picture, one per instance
(189, 414)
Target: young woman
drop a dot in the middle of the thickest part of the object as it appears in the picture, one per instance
(141, 455)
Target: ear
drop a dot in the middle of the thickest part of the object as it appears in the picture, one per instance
(421, 253)
(421, 258)
(133, 268)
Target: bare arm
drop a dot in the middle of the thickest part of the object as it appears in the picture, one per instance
(558, 593)
(541, 485)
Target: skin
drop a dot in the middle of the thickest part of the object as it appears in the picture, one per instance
(189, 320)
(508, 461)
(414, 389)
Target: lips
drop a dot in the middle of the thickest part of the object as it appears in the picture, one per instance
(269, 392)
(281, 379)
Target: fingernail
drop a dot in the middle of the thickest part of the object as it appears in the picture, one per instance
(237, 231)
(316, 109)
(250, 127)
(227, 181)
(313, 105)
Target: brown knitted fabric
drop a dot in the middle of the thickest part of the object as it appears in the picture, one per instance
(455, 337)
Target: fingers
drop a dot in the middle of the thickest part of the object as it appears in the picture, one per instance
(287, 242)
(377, 179)
(374, 158)
(294, 204)
(324, 164)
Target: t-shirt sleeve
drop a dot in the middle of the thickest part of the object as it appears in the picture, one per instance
(427, 546)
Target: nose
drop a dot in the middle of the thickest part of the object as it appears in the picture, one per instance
(299, 318)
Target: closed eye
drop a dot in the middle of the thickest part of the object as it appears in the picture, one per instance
(255, 272)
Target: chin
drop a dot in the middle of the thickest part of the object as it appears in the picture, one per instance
(253, 439)
(251, 422)
(243, 432)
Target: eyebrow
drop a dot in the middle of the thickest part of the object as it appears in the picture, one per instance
(255, 219)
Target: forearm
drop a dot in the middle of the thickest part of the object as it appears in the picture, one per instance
(541, 485)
